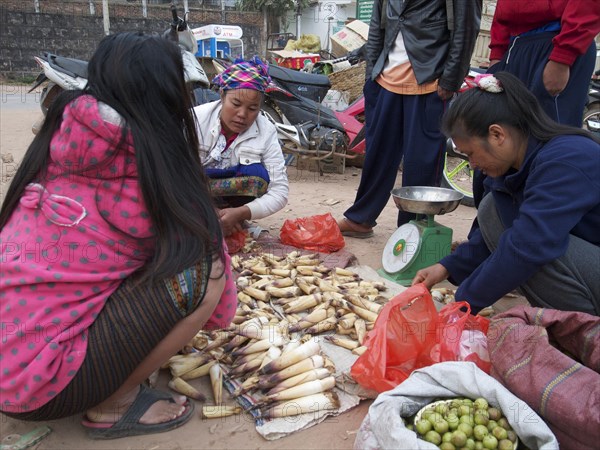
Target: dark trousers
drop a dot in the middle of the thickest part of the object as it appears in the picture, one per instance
(526, 60)
(399, 128)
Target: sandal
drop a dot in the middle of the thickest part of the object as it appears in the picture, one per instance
(128, 424)
(351, 229)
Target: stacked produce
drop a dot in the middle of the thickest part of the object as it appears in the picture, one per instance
(270, 352)
(465, 423)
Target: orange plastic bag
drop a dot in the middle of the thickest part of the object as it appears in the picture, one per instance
(318, 233)
(410, 334)
(400, 342)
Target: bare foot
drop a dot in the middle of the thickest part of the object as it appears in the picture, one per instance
(159, 412)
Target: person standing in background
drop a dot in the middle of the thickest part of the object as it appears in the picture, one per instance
(418, 53)
(549, 45)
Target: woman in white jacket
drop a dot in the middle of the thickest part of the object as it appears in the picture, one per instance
(239, 147)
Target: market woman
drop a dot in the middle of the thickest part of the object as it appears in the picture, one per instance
(537, 228)
(111, 249)
(239, 147)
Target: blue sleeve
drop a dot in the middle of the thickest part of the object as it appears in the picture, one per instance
(467, 256)
(556, 196)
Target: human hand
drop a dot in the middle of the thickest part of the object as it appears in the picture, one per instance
(555, 77)
(431, 275)
(232, 219)
(444, 94)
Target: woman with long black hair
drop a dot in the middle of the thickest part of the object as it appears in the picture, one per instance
(112, 254)
(537, 225)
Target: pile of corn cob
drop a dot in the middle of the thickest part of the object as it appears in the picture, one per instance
(269, 353)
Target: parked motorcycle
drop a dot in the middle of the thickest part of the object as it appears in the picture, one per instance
(591, 113)
(63, 74)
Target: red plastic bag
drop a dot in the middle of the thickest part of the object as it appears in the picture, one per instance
(319, 233)
(410, 334)
(235, 241)
(463, 337)
(400, 342)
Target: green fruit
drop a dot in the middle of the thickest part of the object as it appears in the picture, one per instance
(505, 444)
(466, 428)
(512, 436)
(491, 425)
(447, 437)
(467, 401)
(447, 446)
(453, 421)
(410, 426)
(481, 417)
(442, 408)
(470, 444)
(433, 437)
(503, 422)
(467, 419)
(490, 442)
(435, 417)
(480, 431)
(426, 413)
(441, 426)
(494, 413)
(423, 426)
(456, 403)
(459, 438)
(478, 445)
(464, 410)
(481, 403)
(500, 433)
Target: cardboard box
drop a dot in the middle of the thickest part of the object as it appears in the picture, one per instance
(354, 35)
(294, 60)
(333, 164)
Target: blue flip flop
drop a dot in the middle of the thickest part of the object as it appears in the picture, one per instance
(129, 425)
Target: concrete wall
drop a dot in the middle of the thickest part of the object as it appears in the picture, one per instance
(72, 29)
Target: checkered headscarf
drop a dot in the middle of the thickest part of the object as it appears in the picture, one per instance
(252, 74)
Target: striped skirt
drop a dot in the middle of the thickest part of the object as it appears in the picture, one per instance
(133, 321)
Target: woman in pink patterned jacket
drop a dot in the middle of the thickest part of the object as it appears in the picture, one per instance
(111, 249)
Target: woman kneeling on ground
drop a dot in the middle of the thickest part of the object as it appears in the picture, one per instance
(537, 228)
(111, 249)
(239, 147)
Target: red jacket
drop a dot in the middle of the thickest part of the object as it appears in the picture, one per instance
(580, 23)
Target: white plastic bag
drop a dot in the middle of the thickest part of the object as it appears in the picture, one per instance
(383, 427)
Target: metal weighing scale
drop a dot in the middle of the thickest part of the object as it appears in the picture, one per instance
(421, 242)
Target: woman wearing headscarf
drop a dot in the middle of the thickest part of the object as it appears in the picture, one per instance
(239, 148)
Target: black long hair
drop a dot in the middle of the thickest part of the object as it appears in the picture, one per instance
(141, 77)
(473, 111)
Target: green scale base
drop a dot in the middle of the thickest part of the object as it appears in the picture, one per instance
(435, 242)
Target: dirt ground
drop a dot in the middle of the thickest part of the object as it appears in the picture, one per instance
(310, 193)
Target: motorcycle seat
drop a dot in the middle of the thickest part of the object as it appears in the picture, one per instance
(288, 75)
(70, 66)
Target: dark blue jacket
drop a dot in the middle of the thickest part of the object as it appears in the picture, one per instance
(556, 192)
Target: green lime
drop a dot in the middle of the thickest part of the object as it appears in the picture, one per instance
(459, 438)
(453, 421)
(433, 437)
(494, 413)
(490, 442)
(467, 419)
(447, 437)
(505, 444)
(491, 425)
(480, 431)
(481, 417)
(423, 426)
(481, 403)
(503, 422)
(441, 426)
(426, 413)
(470, 444)
(500, 433)
(466, 428)
(435, 417)
(442, 408)
(464, 410)
(512, 436)
(447, 446)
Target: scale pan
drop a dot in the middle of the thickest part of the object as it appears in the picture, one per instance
(426, 200)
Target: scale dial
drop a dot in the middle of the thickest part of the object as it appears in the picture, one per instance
(401, 248)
